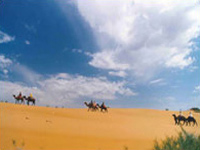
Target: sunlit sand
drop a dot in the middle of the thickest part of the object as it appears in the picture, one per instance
(42, 128)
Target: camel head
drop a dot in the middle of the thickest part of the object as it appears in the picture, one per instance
(14, 96)
(174, 115)
(86, 103)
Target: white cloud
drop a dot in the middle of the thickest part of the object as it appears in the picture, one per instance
(197, 89)
(159, 81)
(77, 50)
(118, 73)
(27, 42)
(105, 60)
(59, 88)
(179, 61)
(5, 38)
(193, 68)
(142, 37)
(64, 89)
(27, 74)
(5, 71)
(5, 63)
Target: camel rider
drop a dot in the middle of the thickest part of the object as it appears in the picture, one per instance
(180, 113)
(31, 95)
(103, 105)
(190, 115)
(91, 103)
(94, 104)
(20, 95)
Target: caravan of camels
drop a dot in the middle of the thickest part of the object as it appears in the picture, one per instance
(21, 99)
(93, 106)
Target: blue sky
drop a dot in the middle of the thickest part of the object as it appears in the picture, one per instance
(132, 54)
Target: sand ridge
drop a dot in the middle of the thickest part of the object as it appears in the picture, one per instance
(34, 128)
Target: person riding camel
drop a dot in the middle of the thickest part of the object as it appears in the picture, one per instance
(91, 103)
(180, 113)
(94, 104)
(31, 95)
(20, 95)
(103, 105)
(190, 115)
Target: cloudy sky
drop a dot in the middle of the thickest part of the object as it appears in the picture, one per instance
(127, 53)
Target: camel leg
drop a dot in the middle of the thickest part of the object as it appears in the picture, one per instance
(175, 122)
(183, 122)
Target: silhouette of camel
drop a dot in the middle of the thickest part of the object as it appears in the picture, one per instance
(103, 108)
(30, 99)
(18, 99)
(191, 119)
(91, 106)
(178, 119)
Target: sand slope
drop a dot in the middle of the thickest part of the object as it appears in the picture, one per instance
(35, 128)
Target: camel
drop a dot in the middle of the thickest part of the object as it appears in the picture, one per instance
(30, 99)
(178, 119)
(191, 119)
(91, 106)
(103, 108)
(18, 99)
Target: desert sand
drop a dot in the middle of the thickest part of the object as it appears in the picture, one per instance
(42, 128)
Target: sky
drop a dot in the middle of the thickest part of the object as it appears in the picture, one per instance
(126, 53)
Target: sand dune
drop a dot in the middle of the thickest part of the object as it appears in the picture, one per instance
(35, 128)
